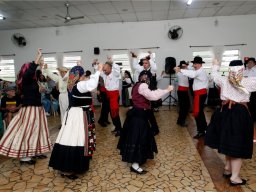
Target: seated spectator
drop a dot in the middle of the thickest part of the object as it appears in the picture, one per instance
(1, 120)
(10, 104)
(45, 91)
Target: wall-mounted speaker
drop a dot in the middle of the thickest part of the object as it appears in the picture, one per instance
(96, 50)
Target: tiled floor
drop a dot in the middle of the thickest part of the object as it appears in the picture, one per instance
(178, 166)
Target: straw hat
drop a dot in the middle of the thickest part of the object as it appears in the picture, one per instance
(60, 69)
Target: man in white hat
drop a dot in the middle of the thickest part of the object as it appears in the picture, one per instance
(62, 80)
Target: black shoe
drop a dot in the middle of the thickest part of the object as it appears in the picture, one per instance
(227, 175)
(102, 124)
(233, 183)
(114, 131)
(199, 135)
(182, 124)
(138, 172)
(117, 134)
(156, 132)
(30, 162)
(72, 176)
(41, 156)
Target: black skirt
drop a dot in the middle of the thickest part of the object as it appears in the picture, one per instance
(69, 159)
(231, 131)
(137, 142)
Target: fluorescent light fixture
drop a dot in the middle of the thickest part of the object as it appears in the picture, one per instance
(189, 2)
(2, 17)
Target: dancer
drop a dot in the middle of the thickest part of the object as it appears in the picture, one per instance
(183, 95)
(75, 143)
(137, 142)
(27, 134)
(200, 86)
(112, 76)
(231, 127)
(250, 71)
(147, 64)
(62, 87)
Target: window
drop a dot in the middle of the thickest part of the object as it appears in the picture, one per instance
(71, 61)
(51, 62)
(228, 56)
(7, 69)
(123, 61)
(207, 57)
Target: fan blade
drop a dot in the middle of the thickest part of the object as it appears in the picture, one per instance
(67, 20)
(60, 16)
(80, 17)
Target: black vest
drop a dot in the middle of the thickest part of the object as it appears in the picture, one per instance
(78, 99)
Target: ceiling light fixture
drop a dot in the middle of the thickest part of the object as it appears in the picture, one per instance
(189, 2)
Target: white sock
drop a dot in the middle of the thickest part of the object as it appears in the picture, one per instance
(25, 159)
(136, 167)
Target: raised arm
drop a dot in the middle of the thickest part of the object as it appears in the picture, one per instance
(38, 56)
(116, 70)
(153, 95)
(53, 76)
(32, 67)
(215, 75)
(90, 84)
(152, 62)
(135, 63)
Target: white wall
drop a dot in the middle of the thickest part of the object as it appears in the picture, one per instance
(197, 31)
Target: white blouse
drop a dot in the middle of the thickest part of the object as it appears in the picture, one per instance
(228, 92)
(149, 94)
(90, 84)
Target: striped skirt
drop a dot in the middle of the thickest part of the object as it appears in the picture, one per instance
(27, 134)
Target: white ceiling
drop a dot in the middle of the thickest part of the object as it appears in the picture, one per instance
(33, 14)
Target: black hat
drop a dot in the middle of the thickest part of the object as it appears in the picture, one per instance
(183, 62)
(141, 60)
(145, 72)
(251, 59)
(235, 63)
(198, 59)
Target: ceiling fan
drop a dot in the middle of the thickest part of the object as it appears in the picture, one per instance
(68, 17)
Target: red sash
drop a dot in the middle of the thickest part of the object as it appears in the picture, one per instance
(182, 88)
(113, 101)
(103, 89)
(197, 94)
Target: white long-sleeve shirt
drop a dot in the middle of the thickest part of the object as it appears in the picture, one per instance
(62, 81)
(90, 84)
(228, 91)
(149, 94)
(112, 80)
(200, 78)
(250, 72)
(138, 68)
(182, 80)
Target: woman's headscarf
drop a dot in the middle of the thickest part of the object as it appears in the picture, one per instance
(74, 75)
(236, 69)
(20, 76)
(144, 77)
